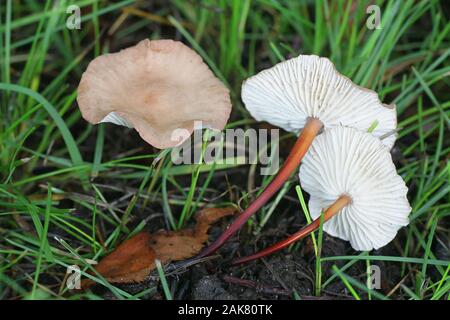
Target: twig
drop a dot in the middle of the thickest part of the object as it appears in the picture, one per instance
(259, 288)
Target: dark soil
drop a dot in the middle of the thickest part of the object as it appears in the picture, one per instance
(283, 275)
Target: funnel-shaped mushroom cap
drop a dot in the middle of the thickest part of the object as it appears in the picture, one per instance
(290, 92)
(346, 161)
(156, 87)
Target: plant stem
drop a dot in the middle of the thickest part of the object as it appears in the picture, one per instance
(318, 283)
(309, 132)
(340, 203)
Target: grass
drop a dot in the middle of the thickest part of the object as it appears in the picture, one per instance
(162, 277)
(70, 192)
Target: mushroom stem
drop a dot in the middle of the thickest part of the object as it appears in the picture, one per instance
(309, 132)
(340, 203)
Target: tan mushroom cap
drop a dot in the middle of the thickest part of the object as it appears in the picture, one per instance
(156, 87)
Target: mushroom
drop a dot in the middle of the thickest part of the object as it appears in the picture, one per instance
(306, 95)
(156, 87)
(352, 174)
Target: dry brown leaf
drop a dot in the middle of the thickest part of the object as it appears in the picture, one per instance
(133, 260)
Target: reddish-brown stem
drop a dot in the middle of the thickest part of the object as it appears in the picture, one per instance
(340, 203)
(309, 132)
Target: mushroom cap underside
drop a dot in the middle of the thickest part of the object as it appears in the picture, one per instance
(287, 94)
(346, 161)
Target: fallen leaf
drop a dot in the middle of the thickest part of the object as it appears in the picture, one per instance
(133, 260)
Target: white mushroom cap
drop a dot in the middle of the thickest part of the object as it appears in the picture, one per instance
(290, 92)
(346, 161)
(156, 87)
